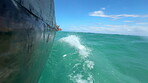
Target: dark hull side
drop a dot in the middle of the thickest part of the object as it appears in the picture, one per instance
(25, 42)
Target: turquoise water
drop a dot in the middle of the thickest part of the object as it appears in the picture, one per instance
(97, 58)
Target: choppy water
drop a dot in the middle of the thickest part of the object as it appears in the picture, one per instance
(97, 58)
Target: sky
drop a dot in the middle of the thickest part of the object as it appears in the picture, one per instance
(129, 17)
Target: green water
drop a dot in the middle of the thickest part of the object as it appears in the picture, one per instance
(97, 58)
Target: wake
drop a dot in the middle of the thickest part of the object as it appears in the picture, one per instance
(83, 76)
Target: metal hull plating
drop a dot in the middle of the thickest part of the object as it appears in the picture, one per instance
(25, 41)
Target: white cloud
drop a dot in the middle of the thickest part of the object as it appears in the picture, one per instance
(129, 28)
(114, 29)
(143, 23)
(101, 13)
(128, 21)
(103, 8)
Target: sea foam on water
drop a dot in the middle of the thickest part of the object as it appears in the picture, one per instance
(84, 53)
(74, 41)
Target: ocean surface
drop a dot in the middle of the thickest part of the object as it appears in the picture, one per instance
(97, 58)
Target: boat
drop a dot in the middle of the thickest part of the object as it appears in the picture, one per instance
(27, 31)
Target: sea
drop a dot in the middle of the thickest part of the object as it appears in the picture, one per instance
(78, 57)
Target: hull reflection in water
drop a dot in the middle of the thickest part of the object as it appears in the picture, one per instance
(26, 35)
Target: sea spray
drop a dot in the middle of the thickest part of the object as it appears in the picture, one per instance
(74, 41)
(84, 76)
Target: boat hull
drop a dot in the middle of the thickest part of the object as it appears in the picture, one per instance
(25, 43)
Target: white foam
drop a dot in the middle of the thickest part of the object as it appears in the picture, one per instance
(74, 41)
(84, 52)
(79, 78)
(64, 55)
(89, 64)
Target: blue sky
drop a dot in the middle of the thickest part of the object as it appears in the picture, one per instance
(128, 17)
